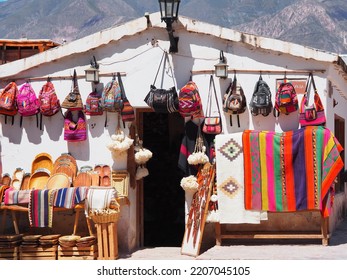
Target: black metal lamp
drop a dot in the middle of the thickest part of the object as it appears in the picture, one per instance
(221, 68)
(169, 13)
(92, 73)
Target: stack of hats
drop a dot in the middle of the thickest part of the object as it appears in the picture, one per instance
(49, 240)
(31, 241)
(86, 241)
(68, 240)
(10, 241)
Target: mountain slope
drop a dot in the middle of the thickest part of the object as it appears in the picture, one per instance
(321, 24)
(303, 22)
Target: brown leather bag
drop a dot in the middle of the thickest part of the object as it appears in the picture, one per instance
(73, 101)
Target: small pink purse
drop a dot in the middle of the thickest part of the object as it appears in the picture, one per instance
(75, 131)
(311, 114)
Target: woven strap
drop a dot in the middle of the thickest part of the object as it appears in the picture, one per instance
(209, 99)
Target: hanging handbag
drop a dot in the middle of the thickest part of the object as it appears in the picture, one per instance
(73, 100)
(75, 131)
(163, 100)
(212, 124)
(311, 114)
(127, 112)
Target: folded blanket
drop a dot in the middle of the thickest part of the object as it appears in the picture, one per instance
(99, 198)
(291, 171)
(230, 182)
(41, 208)
(14, 196)
(69, 197)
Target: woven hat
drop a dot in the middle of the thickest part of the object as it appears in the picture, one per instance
(49, 237)
(86, 241)
(68, 240)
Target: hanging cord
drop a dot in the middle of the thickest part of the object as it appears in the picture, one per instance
(209, 99)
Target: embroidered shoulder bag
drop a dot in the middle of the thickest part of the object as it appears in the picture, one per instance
(212, 124)
(311, 114)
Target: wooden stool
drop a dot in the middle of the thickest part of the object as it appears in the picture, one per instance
(107, 241)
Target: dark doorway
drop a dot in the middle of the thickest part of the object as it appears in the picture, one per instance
(164, 202)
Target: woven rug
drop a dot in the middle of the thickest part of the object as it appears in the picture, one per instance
(13, 196)
(41, 208)
(65, 198)
(230, 182)
(98, 198)
(291, 171)
(69, 197)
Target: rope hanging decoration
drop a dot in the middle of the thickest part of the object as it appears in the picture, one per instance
(120, 142)
(142, 156)
(199, 155)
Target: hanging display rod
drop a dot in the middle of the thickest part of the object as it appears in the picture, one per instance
(277, 72)
(65, 77)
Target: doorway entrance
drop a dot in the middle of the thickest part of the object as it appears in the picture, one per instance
(163, 198)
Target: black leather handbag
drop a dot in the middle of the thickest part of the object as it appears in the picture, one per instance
(162, 100)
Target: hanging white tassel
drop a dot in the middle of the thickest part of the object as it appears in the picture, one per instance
(141, 172)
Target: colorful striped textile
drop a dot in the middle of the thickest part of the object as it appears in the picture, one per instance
(69, 197)
(291, 171)
(14, 196)
(41, 208)
(65, 197)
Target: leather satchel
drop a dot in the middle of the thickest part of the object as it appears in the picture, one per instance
(73, 100)
(162, 100)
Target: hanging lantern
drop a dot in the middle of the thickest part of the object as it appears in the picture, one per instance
(221, 68)
(92, 73)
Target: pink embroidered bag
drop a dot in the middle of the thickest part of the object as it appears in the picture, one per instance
(311, 114)
(75, 131)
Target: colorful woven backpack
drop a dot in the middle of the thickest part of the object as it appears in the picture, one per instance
(49, 102)
(27, 102)
(111, 97)
(189, 101)
(93, 105)
(286, 100)
(8, 104)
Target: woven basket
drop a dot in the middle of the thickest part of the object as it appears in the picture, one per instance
(111, 217)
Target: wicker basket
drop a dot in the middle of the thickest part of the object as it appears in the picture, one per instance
(111, 217)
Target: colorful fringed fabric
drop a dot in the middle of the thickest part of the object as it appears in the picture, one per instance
(41, 208)
(69, 197)
(291, 171)
(98, 198)
(14, 196)
(65, 197)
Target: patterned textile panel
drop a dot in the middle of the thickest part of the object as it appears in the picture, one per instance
(291, 171)
(230, 182)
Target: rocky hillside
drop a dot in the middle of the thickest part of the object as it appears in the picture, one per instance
(317, 23)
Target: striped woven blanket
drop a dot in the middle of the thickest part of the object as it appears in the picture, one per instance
(14, 196)
(41, 208)
(291, 171)
(98, 198)
(69, 197)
